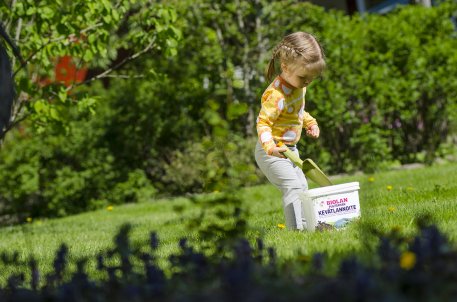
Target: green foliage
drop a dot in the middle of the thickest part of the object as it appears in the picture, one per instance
(211, 165)
(64, 173)
(134, 189)
(50, 168)
(92, 33)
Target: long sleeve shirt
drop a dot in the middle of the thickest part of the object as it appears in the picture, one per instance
(282, 116)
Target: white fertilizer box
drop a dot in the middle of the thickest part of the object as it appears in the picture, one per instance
(331, 205)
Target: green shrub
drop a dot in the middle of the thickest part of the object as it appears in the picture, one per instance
(212, 164)
(136, 188)
(62, 174)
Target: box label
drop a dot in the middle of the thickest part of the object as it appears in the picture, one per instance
(331, 208)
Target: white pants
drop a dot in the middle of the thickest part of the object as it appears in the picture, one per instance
(287, 177)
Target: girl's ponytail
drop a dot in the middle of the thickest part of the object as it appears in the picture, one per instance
(270, 69)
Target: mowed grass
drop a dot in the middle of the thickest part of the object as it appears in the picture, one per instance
(388, 200)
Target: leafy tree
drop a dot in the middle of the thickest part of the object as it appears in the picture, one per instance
(103, 35)
(56, 163)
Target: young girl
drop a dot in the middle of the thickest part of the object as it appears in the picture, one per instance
(283, 116)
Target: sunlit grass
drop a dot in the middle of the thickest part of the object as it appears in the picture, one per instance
(388, 200)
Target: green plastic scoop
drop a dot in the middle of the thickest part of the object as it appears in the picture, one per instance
(309, 167)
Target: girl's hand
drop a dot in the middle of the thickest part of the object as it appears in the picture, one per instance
(277, 151)
(313, 131)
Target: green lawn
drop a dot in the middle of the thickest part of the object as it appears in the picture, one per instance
(430, 190)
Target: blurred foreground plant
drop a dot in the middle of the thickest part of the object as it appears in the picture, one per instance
(248, 273)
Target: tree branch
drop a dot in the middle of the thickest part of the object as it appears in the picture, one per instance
(16, 38)
(11, 126)
(124, 76)
(58, 39)
(108, 71)
(7, 24)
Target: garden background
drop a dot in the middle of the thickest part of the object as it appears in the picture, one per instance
(168, 102)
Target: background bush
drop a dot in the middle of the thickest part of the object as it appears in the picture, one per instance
(59, 174)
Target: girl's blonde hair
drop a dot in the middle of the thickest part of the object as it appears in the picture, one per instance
(294, 47)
